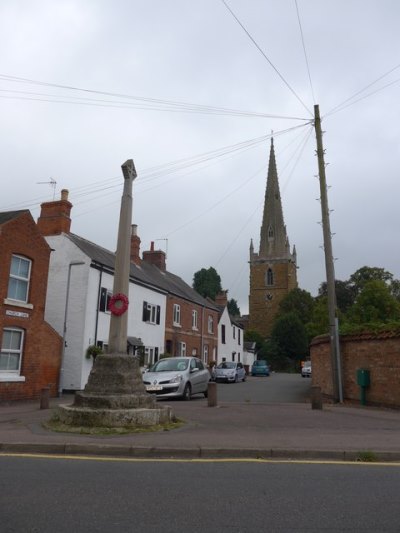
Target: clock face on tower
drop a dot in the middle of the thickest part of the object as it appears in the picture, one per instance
(268, 297)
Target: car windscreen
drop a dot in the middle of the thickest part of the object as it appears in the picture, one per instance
(260, 363)
(171, 364)
(227, 365)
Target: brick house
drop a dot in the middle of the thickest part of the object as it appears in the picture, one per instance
(165, 315)
(30, 348)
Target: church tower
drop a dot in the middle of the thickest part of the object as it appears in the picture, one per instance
(273, 269)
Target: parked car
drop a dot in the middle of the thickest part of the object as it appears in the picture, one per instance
(177, 377)
(260, 368)
(230, 371)
(306, 369)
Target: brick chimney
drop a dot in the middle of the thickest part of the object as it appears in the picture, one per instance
(155, 257)
(55, 216)
(222, 298)
(135, 246)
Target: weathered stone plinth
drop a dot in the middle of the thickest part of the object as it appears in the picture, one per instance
(114, 397)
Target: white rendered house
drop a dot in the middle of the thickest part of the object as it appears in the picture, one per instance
(79, 288)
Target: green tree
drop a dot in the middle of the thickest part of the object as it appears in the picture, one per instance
(345, 293)
(290, 335)
(233, 307)
(365, 274)
(300, 302)
(319, 323)
(207, 282)
(375, 304)
(250, 335)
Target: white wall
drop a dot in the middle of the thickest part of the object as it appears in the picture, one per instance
(83, 312)
(231, 339)
(64, 252)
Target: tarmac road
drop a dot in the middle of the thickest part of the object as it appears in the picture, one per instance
(276, 388)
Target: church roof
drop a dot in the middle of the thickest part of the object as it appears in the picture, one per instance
(273, 239)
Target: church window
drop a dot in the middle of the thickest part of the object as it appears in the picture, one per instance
(270, 277)
(270, 232)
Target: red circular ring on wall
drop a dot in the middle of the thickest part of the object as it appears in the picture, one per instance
(118, 304)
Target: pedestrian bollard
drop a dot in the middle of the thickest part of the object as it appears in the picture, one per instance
(316, 398)
(44, 398)
(212, 394)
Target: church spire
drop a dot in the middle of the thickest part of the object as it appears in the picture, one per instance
(273, 240)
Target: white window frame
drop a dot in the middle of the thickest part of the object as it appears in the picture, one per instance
(182, 349)
(210, 324)
(13, 375)
(177, 315)
(152, 313)
(20, 279)
(195, 319)
(205, 354)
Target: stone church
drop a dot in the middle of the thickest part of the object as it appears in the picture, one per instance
(273, 270)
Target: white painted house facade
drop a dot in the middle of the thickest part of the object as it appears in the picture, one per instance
(80, 285)
(230, 338)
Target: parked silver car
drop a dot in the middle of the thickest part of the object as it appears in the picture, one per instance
(230, 371)
(177, 377)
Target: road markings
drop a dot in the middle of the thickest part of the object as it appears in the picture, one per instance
(196, 460)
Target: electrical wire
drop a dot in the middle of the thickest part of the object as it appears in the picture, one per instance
(265, 56)
(147, 104)
(342, 105)
(304, 50)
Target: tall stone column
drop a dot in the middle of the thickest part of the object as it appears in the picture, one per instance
(115, 395)
(117, 342)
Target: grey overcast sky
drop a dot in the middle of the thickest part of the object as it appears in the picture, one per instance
(201, 170)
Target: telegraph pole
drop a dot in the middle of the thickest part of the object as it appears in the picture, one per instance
(330, 271)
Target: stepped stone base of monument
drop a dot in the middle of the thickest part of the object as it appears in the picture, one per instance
(114, 397)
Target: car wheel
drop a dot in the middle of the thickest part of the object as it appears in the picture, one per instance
(187, 392)
(244, 377)
(236, 378)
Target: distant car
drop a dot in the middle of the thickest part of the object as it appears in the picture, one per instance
(306, 369)
(177, 377)
(230, 371)
(260, 368)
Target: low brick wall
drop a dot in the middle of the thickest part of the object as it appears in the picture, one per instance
(379, 353)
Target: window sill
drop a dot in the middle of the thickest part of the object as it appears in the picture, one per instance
(16, 303)
(177, 325)
(11, 378)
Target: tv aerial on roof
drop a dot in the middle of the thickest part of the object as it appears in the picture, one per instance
(52, 182)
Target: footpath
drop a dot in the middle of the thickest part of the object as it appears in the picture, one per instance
(230, 430)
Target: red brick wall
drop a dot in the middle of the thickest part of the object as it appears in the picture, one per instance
(42, 345)
(194, 339)
(378, 353)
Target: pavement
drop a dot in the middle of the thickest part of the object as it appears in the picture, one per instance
(230, 430)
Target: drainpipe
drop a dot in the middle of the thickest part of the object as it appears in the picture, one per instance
(202, 334)
(61, 375)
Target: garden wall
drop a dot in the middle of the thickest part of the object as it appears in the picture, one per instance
(379, 353)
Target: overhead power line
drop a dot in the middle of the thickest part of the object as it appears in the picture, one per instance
(108, 185)
(304, 50)
(128, 102)
(348, 102)
(265, 56)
